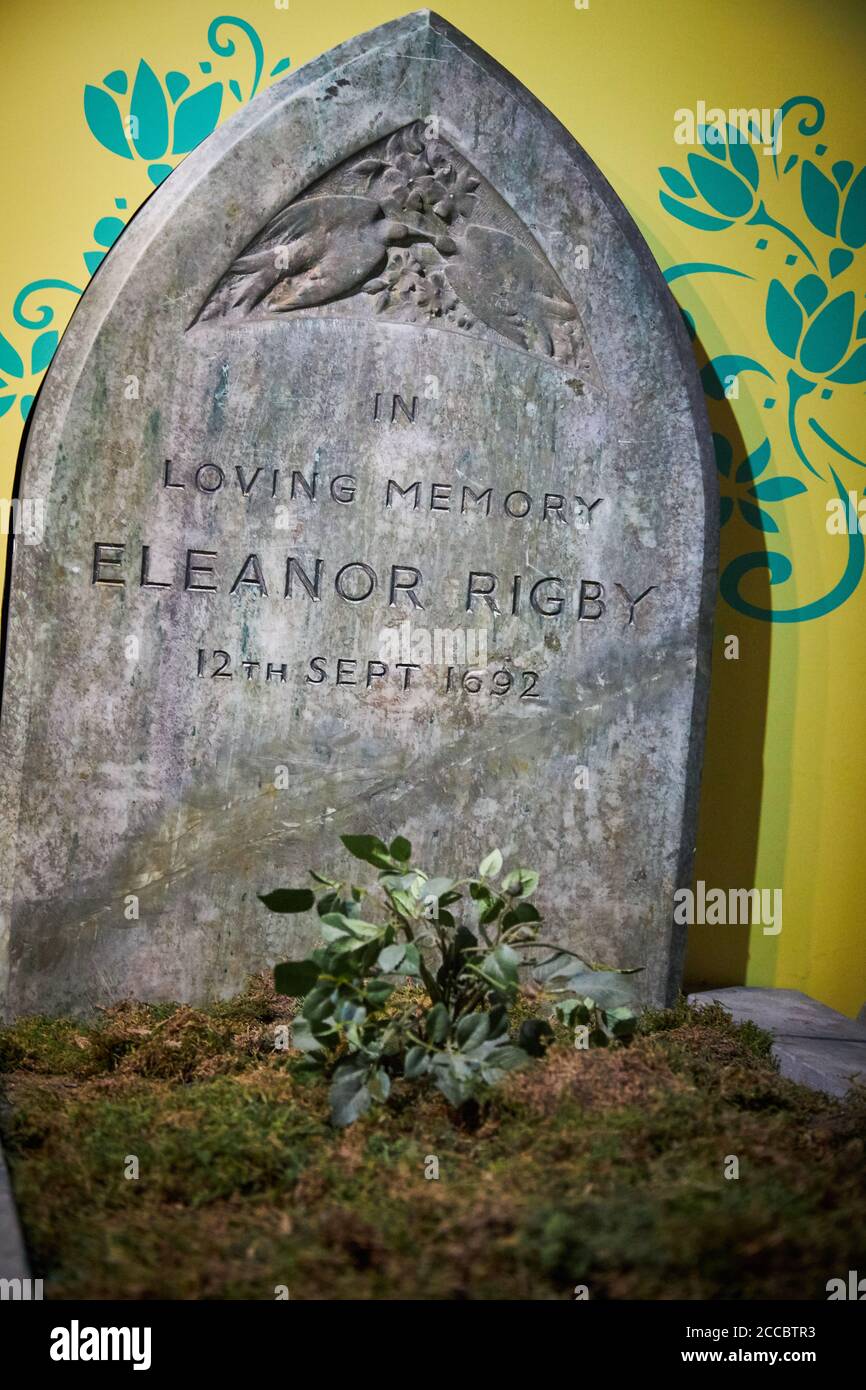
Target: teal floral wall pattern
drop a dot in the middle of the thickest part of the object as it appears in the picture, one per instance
(804, 274)
(814, 318)
(134, 116)
(159, 119)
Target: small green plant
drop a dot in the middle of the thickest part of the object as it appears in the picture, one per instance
(360, 1022)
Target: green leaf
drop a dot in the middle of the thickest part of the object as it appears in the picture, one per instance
(319, 1003)
(502, 1059)
(416, 1062)
(498, 1022)
(522, 912)
(320, 878)
(606, 988)
(437, 1024)
(411, 963)
(295, 977)
(401, 849)
(500, 967)
(303, 1037)
(289, 899)
(489, 867)
(391, 956)
(350, 1095)
(333, 930)
(621, 1022)
(472, 1030)
(559, 966)
(378, 993)
(489, 904)
(369, 849)
(572, 1012)
(341, 925)
(455, 1088)
(380, 1085)
(521, 883)
(435, 887)
(405, 903)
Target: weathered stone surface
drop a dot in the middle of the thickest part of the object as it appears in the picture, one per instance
(394, 268)
(813, 1044)
(13, 1256)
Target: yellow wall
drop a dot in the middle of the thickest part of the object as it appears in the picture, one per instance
(782, 798)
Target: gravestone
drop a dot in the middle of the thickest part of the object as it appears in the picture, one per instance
(378, 499)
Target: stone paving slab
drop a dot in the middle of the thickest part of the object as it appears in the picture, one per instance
(814, 1044)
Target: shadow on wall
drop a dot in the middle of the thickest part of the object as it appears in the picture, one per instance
(733, 775)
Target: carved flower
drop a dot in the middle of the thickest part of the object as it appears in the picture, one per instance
(435, 295)
(439, 158)
(408, 185)
(458, 198)
(431, 195)
(398, 280)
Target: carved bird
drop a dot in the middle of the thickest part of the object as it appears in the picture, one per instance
(314, 251)
(513, 291)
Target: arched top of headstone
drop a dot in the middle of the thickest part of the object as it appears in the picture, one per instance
(410, 125)
(379, 497)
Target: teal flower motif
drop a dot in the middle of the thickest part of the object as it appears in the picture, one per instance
(159, 122)
(105, 234)
(726, 178)
(771, 490)
(12, 365)
(836, 207)
(162, 119)
(816, 334)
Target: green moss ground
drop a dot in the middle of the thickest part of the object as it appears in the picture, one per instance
(602, 1168)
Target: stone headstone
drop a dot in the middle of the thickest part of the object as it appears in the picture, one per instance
(378, 499)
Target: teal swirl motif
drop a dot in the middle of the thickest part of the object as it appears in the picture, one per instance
(780, 568)
(803, 125)
(816, 329)
(42, 347)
